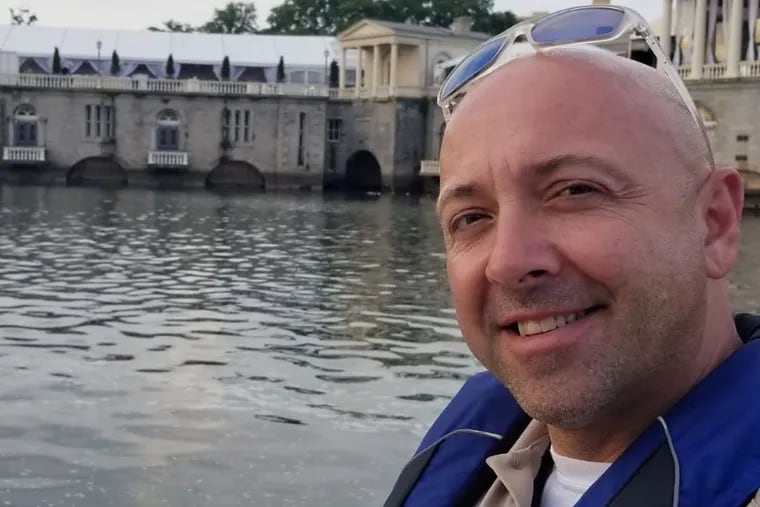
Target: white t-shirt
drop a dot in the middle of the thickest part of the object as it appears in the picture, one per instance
(569, 480)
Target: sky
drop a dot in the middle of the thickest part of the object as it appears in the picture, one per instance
(139, 14)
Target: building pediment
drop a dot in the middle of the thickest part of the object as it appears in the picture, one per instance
(365, 29)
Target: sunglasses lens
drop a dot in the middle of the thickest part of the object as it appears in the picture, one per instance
(593, 23)
(471, 65)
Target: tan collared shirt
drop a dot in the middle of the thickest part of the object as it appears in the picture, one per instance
(516, 470)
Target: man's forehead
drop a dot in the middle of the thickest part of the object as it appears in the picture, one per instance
(553, 76)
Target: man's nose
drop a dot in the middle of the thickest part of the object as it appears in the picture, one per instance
(523, 251)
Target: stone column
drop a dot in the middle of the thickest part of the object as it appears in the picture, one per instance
(359, 67)
(735, 38)
(342, 70)
(677, 56)
(375, 69)
(11, 132)
(667, 10)
(700, 33)
(394, 68)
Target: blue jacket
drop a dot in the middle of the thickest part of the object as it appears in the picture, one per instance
(705, 451)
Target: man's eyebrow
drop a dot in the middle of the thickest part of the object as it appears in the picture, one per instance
(540, 169)
(452, 192)
(545, 168)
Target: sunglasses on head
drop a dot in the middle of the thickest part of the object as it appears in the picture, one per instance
(592, 24)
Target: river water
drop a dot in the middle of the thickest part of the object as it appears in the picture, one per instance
(172, 348)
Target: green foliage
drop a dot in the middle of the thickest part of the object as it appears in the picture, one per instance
(225, 69)
(115, 64)
(56, 61)
(235, 17)
(319, 17)
(495, 22)
(170, 66)
(329, 17)
(281, 70)
(173, 26)
(22, 16)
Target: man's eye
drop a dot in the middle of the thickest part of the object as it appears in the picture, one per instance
(574, 189)
(466, 219)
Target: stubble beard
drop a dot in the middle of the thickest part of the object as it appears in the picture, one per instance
(640, 348)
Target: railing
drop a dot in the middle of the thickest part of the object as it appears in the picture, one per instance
(749, 69)
(169, 86)
(385, 91)
(713, 71)
(430, 168)
(29, 154)
(168, 158)
(718, 70)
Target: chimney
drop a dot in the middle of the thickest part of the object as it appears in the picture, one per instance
(462, 25)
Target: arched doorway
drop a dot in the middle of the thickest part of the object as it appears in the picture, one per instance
(363, 172)
(232, 174)
(97, 170)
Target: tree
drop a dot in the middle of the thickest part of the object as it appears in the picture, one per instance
(115, 64)
(173, 26)
(443, 12)
(329, 17)
(225, 68)
(170, 66)
(22, 16)
(56, 61)
(281, 70)
(495, 22)
(334, 80)
(319, 17)
(235, 17)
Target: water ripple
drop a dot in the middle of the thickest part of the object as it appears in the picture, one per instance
(198, 349)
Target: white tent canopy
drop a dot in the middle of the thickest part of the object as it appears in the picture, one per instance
(249, 50)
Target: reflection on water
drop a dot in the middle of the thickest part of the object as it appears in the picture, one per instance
(193, 349)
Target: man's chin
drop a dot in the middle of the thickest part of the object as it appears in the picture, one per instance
(565, 404)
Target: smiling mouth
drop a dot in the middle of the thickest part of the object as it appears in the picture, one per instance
(534, 327)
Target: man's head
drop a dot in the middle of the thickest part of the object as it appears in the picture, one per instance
(577, 191)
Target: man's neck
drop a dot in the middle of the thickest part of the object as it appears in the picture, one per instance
(605, 439)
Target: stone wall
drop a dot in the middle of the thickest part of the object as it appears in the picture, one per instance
(272, 148)
(735, 107)
(411, 135)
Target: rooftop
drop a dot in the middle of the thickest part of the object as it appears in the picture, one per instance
(147, 46)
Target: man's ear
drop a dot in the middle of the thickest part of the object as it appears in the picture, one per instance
(723, 204)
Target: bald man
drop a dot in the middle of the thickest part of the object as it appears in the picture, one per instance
(588, 238)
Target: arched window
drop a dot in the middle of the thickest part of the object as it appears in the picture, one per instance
(167, 131)
(26, 112)
(708, 118)
(439, 73)
(168, 116)
(25, 125)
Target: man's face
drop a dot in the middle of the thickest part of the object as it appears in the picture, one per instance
(574, 246)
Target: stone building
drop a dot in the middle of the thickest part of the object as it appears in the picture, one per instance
(378, 129)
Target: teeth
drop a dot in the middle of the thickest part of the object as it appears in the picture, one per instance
(548, 324)
(531, 327)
